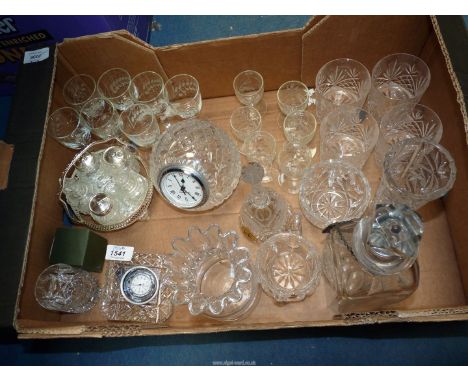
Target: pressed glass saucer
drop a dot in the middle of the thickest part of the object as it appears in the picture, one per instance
(289, 267)
(214, 276)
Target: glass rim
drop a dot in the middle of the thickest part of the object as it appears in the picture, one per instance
(408, 55)
(153, 120)
(434, 193)
(183, 75)
(412, 105)
(345, 59)
(102, 93)
(79, 119)
(161, 92)
(67, 99)
(250, 108)
(244, 72)
(301, 84)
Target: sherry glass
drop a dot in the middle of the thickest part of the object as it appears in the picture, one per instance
(299, 127)
(249, 89)
(293, 161)
(348, 134)
(396, 79)
(292, 96)
(404, 122)
(340, 82)
(245, 120)
(68, 127)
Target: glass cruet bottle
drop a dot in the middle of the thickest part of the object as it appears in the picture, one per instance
(371, 263)
(264, 211)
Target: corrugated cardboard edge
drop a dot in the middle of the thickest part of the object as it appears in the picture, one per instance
(453, 76)
(348, 319)
(6, 154)
(34, 201)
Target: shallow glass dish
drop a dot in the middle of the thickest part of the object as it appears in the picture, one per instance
(333, 191)
(288, 267)
(214, 276)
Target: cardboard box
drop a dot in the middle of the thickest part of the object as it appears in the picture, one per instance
(279, 56)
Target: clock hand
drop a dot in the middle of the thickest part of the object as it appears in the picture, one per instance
(177, 181)
(189, 194)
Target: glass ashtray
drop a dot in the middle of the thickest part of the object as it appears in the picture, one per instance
(289, 267)
(214, 276)
(139, 290)
(333, 191)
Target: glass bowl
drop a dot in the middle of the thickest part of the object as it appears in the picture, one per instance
(333, 191)
(288, 267)
(214, 276)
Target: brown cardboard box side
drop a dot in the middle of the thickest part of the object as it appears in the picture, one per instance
(279, 57)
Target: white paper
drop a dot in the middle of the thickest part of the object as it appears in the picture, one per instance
(36, 55)
(119, 253)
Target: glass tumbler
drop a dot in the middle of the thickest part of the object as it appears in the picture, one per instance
(245, 120)
(79, 89)
(416, 171)
(148, 88)
(261, 148)
(102, 117)
(183, 95)
(293, 161)
(339, 82)
(69, 128)
(140, 125)
(116, 85)
(249, 89)
(348, 134)
(64, 288)
(299, 127)
(404, 122)
(396, 79)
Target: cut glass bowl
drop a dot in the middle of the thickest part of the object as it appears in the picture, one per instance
(288, 267)
(333, 191)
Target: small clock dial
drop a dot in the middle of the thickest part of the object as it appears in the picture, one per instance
(182, 188)
(139, 285)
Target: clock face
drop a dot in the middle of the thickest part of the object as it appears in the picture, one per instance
(183, 188)
(139, 285)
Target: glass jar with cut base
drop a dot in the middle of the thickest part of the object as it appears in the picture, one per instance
(372, 263)
(265, 212)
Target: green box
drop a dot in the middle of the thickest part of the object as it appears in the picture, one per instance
(78, 247)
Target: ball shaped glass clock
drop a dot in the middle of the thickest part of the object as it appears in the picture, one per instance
(195, 165)
(139, 285)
